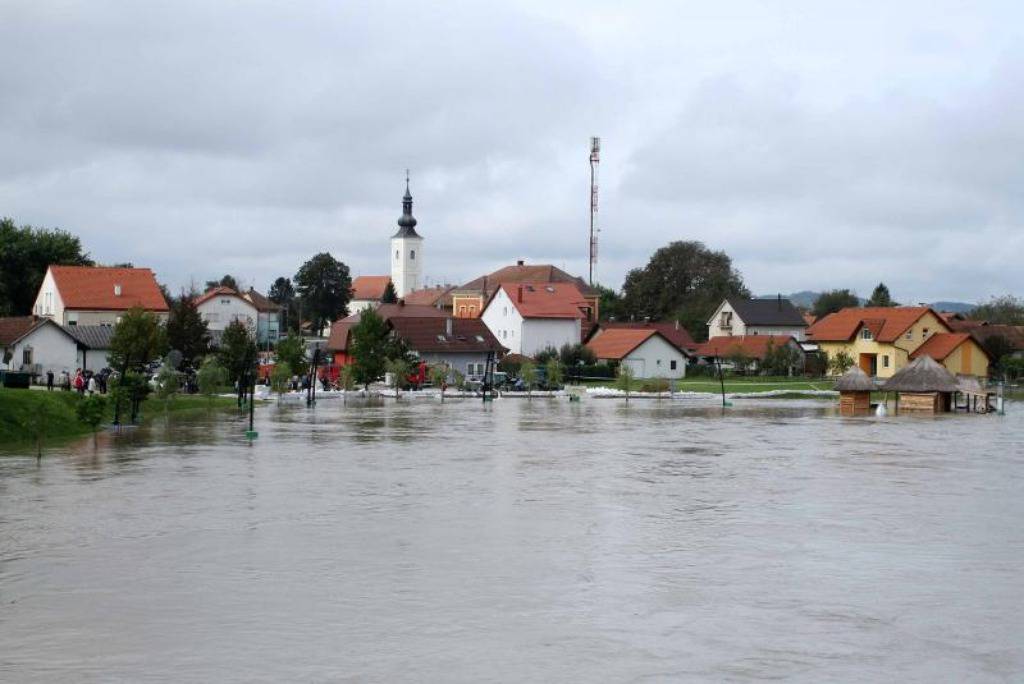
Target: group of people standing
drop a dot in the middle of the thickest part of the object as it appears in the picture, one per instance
(83, 382)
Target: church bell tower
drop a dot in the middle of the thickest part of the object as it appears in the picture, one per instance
(406, 250)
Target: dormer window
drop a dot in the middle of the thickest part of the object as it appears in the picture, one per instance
(117, 290)
(865, 334)
(726, 321)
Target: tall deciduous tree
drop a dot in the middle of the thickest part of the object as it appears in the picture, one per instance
(683, 281)
(282, 293)
(325, 286)
(832, 301)
(1005, 310)
(881, 297)
(369, 348)
(25, 253)
(137, 340)
(609, 305)
(237, 349)
(187, 331)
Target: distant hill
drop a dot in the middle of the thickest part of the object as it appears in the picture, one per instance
(805, 300)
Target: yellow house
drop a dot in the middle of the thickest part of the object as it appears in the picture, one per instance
(882, 340)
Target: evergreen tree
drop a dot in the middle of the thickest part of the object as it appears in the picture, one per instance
(390, 296)
(881, 297)
(369, 348)
(187, 331)
(237, 349)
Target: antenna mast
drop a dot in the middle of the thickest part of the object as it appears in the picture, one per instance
(595, 159)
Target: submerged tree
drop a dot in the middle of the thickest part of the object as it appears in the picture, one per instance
(528, 374)
(369, 348)
(624, 380)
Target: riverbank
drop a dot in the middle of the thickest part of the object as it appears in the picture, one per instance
(735, 385)
(27, 415)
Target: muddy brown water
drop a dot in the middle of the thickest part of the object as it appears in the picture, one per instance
(521, 541)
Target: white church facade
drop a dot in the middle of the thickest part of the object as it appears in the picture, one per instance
(406, 250)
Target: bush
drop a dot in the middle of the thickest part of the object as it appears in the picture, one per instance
(654, 385)
(572, 354)
(599, 370)
(1012, 368)
(544, 355)
(510, 365)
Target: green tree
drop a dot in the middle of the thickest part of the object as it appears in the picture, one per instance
(280, 378)
(684, 281)
(138, 339)
(292, 350)
(528, 374)
(398, 369)
(282, 293)
(25, 254)
(553, 370)
(779, 360)
(167, 383)
(840, 362)
(237, 350)
(390, 296)
(186, 330)
(346, 377)
(738, 358)
(545, 355)
(881, 297)
(1005, 310)
(624, 379)
(325, 287)
(369, 348)
(226, 281)
(439, 377)
(211, 377)
(128, 391)
(572, 354)
(609, 304)
(832, 301)
(91, 411)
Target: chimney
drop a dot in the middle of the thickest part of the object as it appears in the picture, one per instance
(117, 290)
(519, 294)
(448, 326)
(520, 263)
(677, 324)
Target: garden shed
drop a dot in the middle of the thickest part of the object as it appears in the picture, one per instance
(923, 386)
(855, 388)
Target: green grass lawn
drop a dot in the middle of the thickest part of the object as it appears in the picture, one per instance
(24, 412)
(734, 385)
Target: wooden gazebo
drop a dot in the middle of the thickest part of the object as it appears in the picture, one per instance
(855, 388)
(923, 386)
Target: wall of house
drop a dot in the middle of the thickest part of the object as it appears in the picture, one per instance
(540, 333)
(93, 359)
(653, 359)
(505, 322)
(51, 349)
(467, 306)
(48, 300)
(457, 361)
(800, 332)
(898, 351)
(716, 329)
(357, 305)
(967, 359)
(107, 318)
(220, 311)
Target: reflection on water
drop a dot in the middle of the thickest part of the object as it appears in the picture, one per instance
(519, 541)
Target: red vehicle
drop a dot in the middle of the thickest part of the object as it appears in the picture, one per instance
(418, 377)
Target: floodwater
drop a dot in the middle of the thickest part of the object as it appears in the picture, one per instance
(522, 541)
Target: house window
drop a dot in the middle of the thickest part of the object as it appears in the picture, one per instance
(672, 364)
(412, 254)
(910, 334)
(865, 334)
(504, 311)
(26, 356)
(726, 321)
(885, 361)
(924, 333)
(658, 362)
(398, 255)
(225, 301)
(462, 310)
(472, 310)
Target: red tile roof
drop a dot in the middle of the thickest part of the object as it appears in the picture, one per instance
(941, 345)
(431, 334)
(886, 323)
(525, 273)
(338, 339)
(430, 296)
(219, 291)
(671, 331)
(617, 343)
(92, 288)
(15, 327)
(546, 300)
(752, 346)
(369, 287)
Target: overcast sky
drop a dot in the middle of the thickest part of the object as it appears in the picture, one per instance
(819, 144)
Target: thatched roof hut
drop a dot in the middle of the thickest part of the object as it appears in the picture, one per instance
(855, 380)
(922, 375)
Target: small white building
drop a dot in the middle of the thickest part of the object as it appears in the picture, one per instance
(97, 295)
(737, 317)
(36, 345)
(647, 352)
(527, 318)
(220, 306)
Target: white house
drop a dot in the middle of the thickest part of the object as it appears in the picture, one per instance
(737, 317)
(647, 352)
(36, 345)
(97, 295)
(220, 306)
(527, 318)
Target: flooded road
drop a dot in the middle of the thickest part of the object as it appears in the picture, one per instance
(523, 541)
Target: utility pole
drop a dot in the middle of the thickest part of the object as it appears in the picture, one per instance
(595, 159)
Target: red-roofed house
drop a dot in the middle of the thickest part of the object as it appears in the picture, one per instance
(646, 351)
(958, 352)
(878, 339)
(530, 317)
(221, 306)
(367, 292)
(753, 347)
(97, 295)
